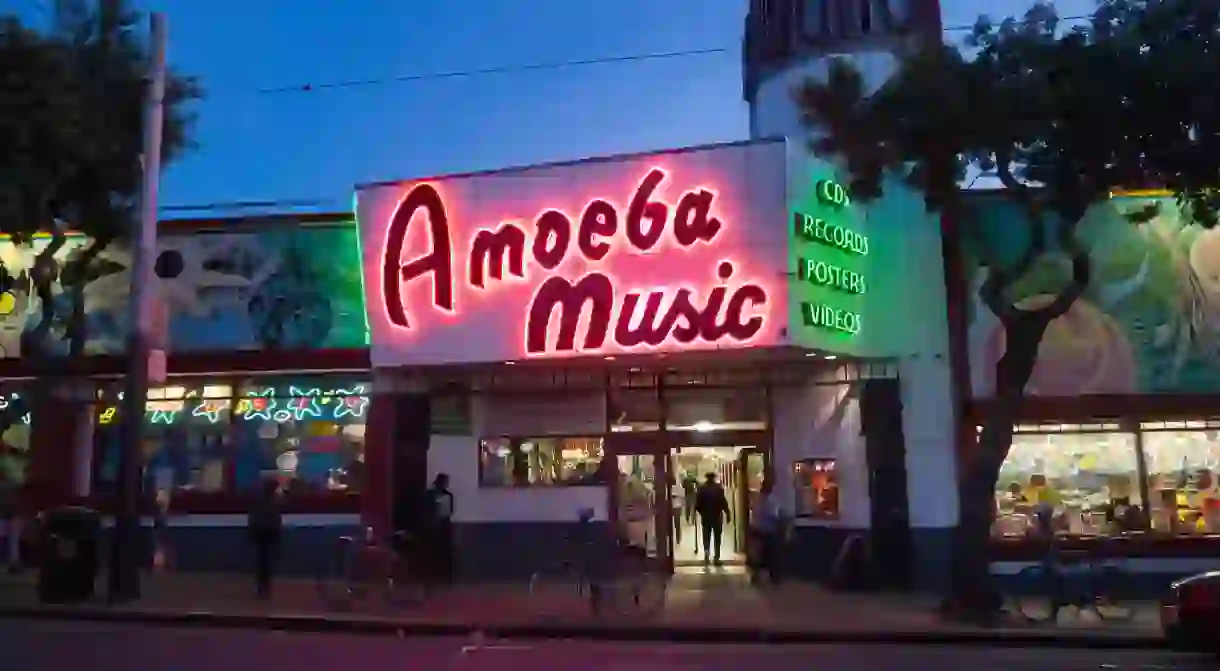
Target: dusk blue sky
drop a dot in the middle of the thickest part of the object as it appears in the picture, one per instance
(314, 146)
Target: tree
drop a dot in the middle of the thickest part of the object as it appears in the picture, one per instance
(1061, 116)
(71, 132)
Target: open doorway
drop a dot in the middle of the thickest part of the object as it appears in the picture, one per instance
(739, 471)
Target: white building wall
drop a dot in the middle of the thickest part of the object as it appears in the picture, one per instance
(822, 419)
(922, 352)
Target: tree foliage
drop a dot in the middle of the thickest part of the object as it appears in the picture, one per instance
(71, 134)
(1061, 116)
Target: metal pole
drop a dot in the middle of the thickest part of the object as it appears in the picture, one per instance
(124, 576)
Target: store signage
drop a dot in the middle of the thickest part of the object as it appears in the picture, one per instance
(592, 312)
(167, 405)
(826, 272)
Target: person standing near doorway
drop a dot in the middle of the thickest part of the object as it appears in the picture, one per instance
(690, 488)
(770, 529)
(713, 508)
(10, 524)
(266, 523)
(440, 529)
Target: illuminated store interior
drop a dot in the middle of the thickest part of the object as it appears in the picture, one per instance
(213, 436)
(1107, 480)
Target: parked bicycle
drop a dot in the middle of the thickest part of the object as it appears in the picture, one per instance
(627, 582)
(357, 566)
(1083, 579)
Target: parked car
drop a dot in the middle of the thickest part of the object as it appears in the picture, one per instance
(1190, 614)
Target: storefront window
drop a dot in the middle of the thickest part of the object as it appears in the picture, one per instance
(816, 484)
(14, 438)
(1183, 464)
(308, 434)
(1081, 480)
(530, 462)
(184, 438)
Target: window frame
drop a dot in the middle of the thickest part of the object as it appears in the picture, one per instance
(597, 480)
(797, 489)
(225, 497)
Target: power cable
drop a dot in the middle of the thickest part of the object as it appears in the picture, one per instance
(310, 87)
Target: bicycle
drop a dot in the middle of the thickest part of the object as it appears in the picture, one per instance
(1099, 587)
(357, 565)
(631, 585)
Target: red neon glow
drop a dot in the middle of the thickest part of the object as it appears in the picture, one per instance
(724, 308)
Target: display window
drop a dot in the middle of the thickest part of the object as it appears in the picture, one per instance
(306, 433)
(540, 462)
(816, 484)
(216, 436)
(14, 438)
(1183, 461)
(1102, 480)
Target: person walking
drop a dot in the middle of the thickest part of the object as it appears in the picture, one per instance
(266, 522)
(713, 508)
(690, 488)
(440, 530)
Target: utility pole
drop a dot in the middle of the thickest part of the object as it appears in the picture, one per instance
(124, 576)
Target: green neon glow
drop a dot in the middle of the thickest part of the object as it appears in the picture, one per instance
(364, 299)
(833, 194)
(840, 270)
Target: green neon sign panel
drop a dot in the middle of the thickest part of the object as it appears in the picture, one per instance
(825, 273)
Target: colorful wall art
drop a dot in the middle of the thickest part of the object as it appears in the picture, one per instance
(279, 287)
(1149, 321)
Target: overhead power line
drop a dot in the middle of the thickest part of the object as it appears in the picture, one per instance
(506, 69)
(311, 87)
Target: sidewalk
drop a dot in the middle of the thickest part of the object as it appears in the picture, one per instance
(699, 608)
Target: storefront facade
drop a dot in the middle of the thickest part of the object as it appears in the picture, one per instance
(1119, 431)
(268, 377)
(616, 323)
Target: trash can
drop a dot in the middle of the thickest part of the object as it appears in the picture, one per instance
(69, 555)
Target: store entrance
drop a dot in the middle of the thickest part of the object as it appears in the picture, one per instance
(739, 471)
(653, 492)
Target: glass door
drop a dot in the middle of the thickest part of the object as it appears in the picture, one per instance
(642, 506)
(751, 469)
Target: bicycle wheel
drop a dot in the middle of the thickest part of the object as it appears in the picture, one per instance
(641, 594)
(558, 591)
(406, 583)
(338, 583)
(1038, 605)
(1112, 594)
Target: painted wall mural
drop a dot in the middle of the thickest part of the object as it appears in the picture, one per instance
(1149, 322)
(281, 287)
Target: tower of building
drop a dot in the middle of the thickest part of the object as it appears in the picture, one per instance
(786, 41)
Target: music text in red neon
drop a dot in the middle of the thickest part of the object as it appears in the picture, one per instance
(712, 310)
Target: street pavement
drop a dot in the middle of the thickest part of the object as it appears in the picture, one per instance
(700, 607)
(31, 645)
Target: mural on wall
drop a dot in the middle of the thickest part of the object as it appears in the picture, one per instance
(277, 288)
(1149, 321)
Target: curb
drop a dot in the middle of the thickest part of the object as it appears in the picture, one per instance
(592, 632)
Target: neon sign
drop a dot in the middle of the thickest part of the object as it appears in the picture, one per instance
(168, 405)
(303, 404)
(833, 194)
(5, 402)
(823, 273)
(730, 308)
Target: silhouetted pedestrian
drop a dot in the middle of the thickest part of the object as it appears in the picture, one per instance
(266, 522)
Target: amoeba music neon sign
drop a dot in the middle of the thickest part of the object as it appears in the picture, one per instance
(168, 405)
